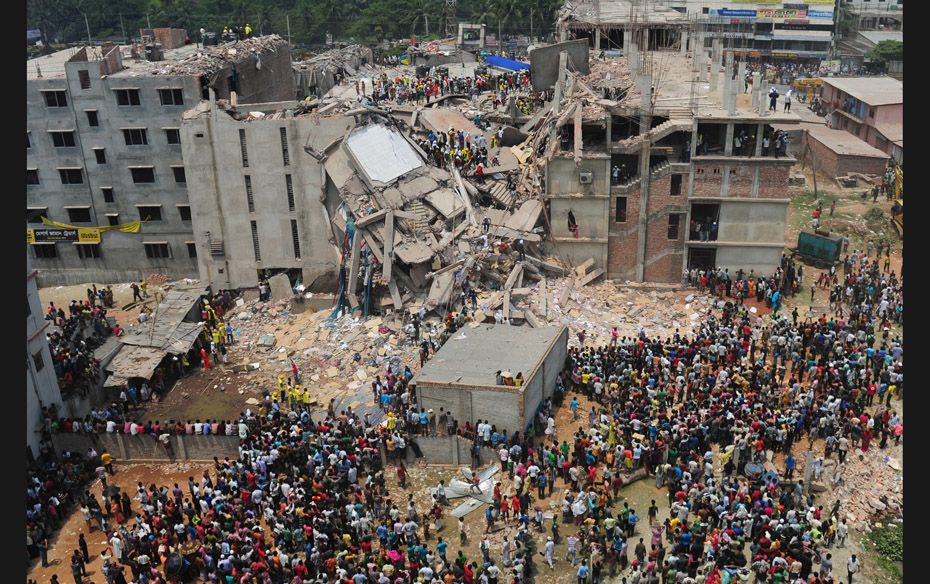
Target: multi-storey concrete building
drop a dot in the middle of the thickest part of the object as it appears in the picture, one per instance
(103, 148)
(257, 197)
(755, 30)
(41, 383)
(696, 184)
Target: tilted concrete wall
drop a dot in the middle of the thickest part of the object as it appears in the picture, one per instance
(219, 203)
(126, 447)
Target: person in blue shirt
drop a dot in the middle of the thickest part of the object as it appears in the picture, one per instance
(789, 466)
(541, 484)
(583, 572)
(382, 534)
(574, 408)
(441, 548)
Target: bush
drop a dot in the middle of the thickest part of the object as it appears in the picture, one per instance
(874, 214)
(889, 542)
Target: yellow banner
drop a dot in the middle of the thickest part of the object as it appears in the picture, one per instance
(30, 236)
(131, 227)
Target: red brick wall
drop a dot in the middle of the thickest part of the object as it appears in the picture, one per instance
(741, 180)
(622, 238)
(666, 270)
(832, 164)
(707, 179)
(773, 181)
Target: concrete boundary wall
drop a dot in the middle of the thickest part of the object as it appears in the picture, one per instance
(143, 447)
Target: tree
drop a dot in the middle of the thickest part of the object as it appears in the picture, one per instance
(886, 51)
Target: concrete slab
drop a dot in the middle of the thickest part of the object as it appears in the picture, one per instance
(280, 287)
(382, 153)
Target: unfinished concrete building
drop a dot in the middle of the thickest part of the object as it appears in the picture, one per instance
(684, 194)
(103, 148)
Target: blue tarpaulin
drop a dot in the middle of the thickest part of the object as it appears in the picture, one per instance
(503, 63)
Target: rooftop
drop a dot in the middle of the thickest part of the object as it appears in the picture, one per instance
(877, 36)
(166, 329)
(473, 356)
(49, 66)
(617, 12)
(842, 142)
(187, 60)
(871, 90)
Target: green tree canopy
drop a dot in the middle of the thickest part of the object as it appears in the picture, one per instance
(886, 51)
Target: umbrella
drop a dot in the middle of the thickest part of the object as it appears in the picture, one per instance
(110, 491)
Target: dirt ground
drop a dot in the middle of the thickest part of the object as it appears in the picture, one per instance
(63, 544)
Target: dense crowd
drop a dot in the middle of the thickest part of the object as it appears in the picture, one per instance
(308, 498)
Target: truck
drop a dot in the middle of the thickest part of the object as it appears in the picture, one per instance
(822, 249)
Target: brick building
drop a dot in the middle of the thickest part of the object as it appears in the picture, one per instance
(675, 204)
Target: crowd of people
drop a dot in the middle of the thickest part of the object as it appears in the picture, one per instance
(309, 498)
(421, 89)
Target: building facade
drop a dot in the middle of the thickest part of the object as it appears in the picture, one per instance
(870, 108)
(257, 197)
(772, 32)
(41, 383)
(103, 148)
(656, 186)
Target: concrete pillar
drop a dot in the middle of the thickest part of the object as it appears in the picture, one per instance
(741, 77)
(732, 85)
(684, 42)
(645, 39)
(756, 83)
(597, 39)
(763, 97)
(760, 131)
(453, 441)
(626, 42)
(645, 120)
(728, 145)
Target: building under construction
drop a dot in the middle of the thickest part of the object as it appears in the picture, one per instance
(663, 160)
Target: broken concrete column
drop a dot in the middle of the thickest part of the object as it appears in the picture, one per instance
(756, 82)
(741, 77)
(763, 97)
(732, 85)
(684, 42)
(716, 55)
(627, 37)
(700, 58)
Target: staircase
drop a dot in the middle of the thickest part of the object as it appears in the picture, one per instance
(501, 194)
(677, 123)
(420, 224)
(656, 172)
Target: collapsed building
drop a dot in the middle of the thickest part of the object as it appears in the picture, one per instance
(635, 168)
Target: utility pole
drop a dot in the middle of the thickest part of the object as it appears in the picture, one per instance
(500, 39)
(531, 24)
(147, 21)
(121, 29)
(86, 25)
(288, 17)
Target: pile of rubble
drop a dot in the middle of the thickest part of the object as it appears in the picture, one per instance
(210, 60)
(873, 487)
